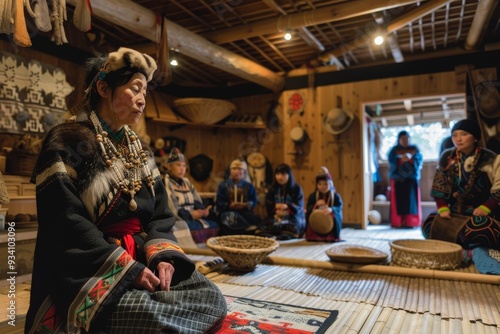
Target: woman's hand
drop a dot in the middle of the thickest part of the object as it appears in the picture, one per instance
(165, 273)
(320, 202)
(326, 210)
(281, 206)
(198, 214)
(479, 212)
(146, 280)
(445, 214)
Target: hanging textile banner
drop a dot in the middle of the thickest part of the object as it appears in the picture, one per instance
(32, 95)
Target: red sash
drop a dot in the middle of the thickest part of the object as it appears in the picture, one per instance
(124, 231)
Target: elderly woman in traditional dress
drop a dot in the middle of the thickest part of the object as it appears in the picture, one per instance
(405, 163)
(105, 259)
(466, 188)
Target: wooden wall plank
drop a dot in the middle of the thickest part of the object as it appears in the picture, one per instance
(343, 154)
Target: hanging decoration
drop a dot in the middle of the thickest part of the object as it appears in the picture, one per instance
(32, 95)
(296, 103)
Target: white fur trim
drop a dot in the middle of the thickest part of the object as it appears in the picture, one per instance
(137, 60)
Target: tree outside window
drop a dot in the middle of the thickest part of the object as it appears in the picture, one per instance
(427, 137)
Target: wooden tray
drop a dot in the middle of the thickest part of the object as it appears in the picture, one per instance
(355, 254)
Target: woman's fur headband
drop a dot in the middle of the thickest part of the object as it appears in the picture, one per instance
(133, 59)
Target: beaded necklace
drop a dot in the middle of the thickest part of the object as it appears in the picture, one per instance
(468, 164)
(127, 177)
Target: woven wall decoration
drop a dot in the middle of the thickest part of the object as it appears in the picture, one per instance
(32, 95)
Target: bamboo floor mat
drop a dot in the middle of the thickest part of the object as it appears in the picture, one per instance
(371, 303)
(364, 318)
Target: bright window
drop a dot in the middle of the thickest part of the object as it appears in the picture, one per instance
(427, 137)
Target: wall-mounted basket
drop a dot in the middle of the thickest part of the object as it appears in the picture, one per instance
(203, 111)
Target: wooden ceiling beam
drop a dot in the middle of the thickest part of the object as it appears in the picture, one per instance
(396, 24)
(303, 19)
(142, 21)
(481, 19)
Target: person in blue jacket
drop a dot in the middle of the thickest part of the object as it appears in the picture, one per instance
(235, 200)
(405, 163)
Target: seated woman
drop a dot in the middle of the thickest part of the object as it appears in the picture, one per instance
(328, 203)
(106, 260)
(466, 188)
(185, 202)
(285, 207)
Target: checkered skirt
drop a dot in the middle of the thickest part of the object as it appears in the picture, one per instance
(195, 305)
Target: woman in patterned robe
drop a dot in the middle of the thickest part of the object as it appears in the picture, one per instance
(185, 201)
(467, 183)
(105, 258)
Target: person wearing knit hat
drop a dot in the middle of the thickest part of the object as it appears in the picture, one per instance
(106, 232)
(324, 210)
(235, 201)
(405, 163)
(466, 189)
(285, 207)
(191, 214)
(469, 126)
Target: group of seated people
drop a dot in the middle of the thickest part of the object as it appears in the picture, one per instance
(106, 257)
(236, 198)
(466, 188)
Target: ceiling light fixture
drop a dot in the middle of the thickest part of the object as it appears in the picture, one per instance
(173, 58)
(378, 40)
(288, 35)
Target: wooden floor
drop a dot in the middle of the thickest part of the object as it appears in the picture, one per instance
(368, 302)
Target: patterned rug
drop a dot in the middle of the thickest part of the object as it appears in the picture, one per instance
(255, 316)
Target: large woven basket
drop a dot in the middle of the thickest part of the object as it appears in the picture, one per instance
(204, 111)
(243, 252)
(426, 254)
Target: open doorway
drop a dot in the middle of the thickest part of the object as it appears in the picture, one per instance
(428, 120)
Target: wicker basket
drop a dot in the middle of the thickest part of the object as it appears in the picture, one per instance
(243, 252)
(426, 254)
(203, 111)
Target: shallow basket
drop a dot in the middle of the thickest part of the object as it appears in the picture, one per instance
(242, 252)
(426, 254)
(203, 111)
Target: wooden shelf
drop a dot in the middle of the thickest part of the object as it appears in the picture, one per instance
(21, 234)
(227, 126)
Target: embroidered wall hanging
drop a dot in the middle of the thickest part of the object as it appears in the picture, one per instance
(32, 95)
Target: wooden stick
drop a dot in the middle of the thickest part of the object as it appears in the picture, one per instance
(370, 268)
